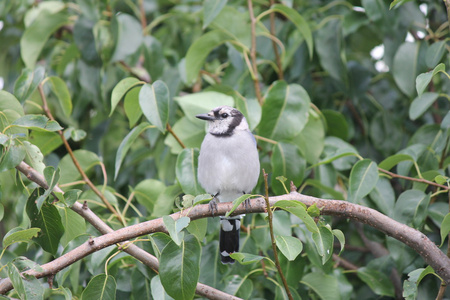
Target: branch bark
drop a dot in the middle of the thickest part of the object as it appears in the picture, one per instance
(415, 239)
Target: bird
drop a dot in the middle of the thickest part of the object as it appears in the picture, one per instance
(228, 167)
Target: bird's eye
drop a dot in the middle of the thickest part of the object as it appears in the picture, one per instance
(224, 115)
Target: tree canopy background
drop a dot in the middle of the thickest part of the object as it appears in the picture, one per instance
(349, 100)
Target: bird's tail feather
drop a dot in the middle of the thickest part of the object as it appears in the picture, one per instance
(229, 238)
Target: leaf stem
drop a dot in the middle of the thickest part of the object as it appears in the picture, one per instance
(169, 129)
(253, 53)
(274, 44)
(414, 179)
(272, 237)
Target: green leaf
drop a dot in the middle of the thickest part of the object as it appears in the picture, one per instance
(404, 67)
(383, 196)
(202, 102)
(175, 227)
(329, 190)
(329, 47)
(191, 133)
(12, 155)
(411, 208)
(28, 287)
(46, 141)
(121, 89)
(211, 8)
(435, 53)
(424, 79)
(186, 171)
(311, 140)
(51, 177)
(445, 228)
(73, 223)
(127, 34)
(131, 106)
(336, 124)
(28, 82)
(323, 239)
(236, 203)
(9, 101)
(179, 268)
(48, 220)
(377, 281)
(363, 178)
(126, 144)
(324, 285)
(155, 103)
(421, 104)
(246, 258)
(290, 246)
(148, 191)
(299, 22)
(341, 238)
(391, 161)
(157, 289)
(24, 235)
(59, 88)
(285, 111)
(299, 210)
(100, 287)
(199, 51)
(198, 228)
(38, 32)
(69, 172)
(37, 122)
(286, 161)
(34, 157)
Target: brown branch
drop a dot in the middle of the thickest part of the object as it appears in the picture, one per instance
(253, 53)
(133, 250)
(169, 129)
(274, 44)
(272, 237)
(75, 161)
(414, 179)
(342, 262)
(142, 17)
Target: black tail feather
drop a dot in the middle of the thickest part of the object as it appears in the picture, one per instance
(229, 238)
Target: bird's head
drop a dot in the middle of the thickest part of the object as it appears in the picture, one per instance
(224, 120)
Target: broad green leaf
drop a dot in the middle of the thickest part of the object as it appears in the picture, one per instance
(237, 202)
(191, 133)
(28, 82)
(286, 161)
(245, 258)
(199, 51)
(128, 36)
(48, 220)
(290, 246)
(59, 88)
(238, 286)
(299, 22)
(12, 155)
(38, 32)
(201, 103)
(363, 178)
(336, 151)
(414, 278)
(37, 122)
(28, 287)
(179, 268)
(235, 23)
(329, 47)
(121, 89)
(404, 67)
(69, 172)
(311, 140)
(336, 124)
(186, 171)
(324, 285)
(155, 103)
(157, 289)
(211, 8)
(411, 208)
(34, 157)
(391, 161)
(131, 106)
(147, 192)
(285, 111)
(73, 223)
(175, 227)
(329, 190)
(323, 239)
(71, 196)
(9, 101)
(100, 287)
(155, 61)
(383, 196)
(445, 228)
(165, 202)
(341, 238)
(52, 178)
(46, 141)
(421, 104)
(17, 280)
(435, 53)
(24, 235)
(198, 228)
(377, 281)
(126, 144)
(299, 210)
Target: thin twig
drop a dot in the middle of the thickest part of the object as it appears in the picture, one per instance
(414, 179)
(169, 129)
(253, 53)
(272, 237)
(274, 44)
(75, 161)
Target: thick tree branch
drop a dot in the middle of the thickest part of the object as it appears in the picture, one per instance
(133, 250)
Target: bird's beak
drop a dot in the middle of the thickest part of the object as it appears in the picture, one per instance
(205, 117)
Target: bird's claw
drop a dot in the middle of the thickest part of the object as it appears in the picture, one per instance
(213, 206)
(247, 204)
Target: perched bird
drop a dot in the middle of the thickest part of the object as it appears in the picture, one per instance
(228, 167)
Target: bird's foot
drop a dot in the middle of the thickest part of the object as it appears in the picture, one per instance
(213, 206)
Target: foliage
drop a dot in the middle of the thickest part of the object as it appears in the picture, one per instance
(101, 96)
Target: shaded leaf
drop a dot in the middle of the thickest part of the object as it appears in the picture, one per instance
(298, 209)
(445, 228)
(363, 178)
(186, 171)
(100, 287)
(28, 82)
(128, 36)
(391, 161)
(324, 285)
(421, 104)
(404, 67)
(286, 161)
(37, 122)
(411, 208)
(323, 239)
(211, 8)
(121, 89)
(59, 88)
(377, 281)
(245, 258)
(155, 103)
(24, 235)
